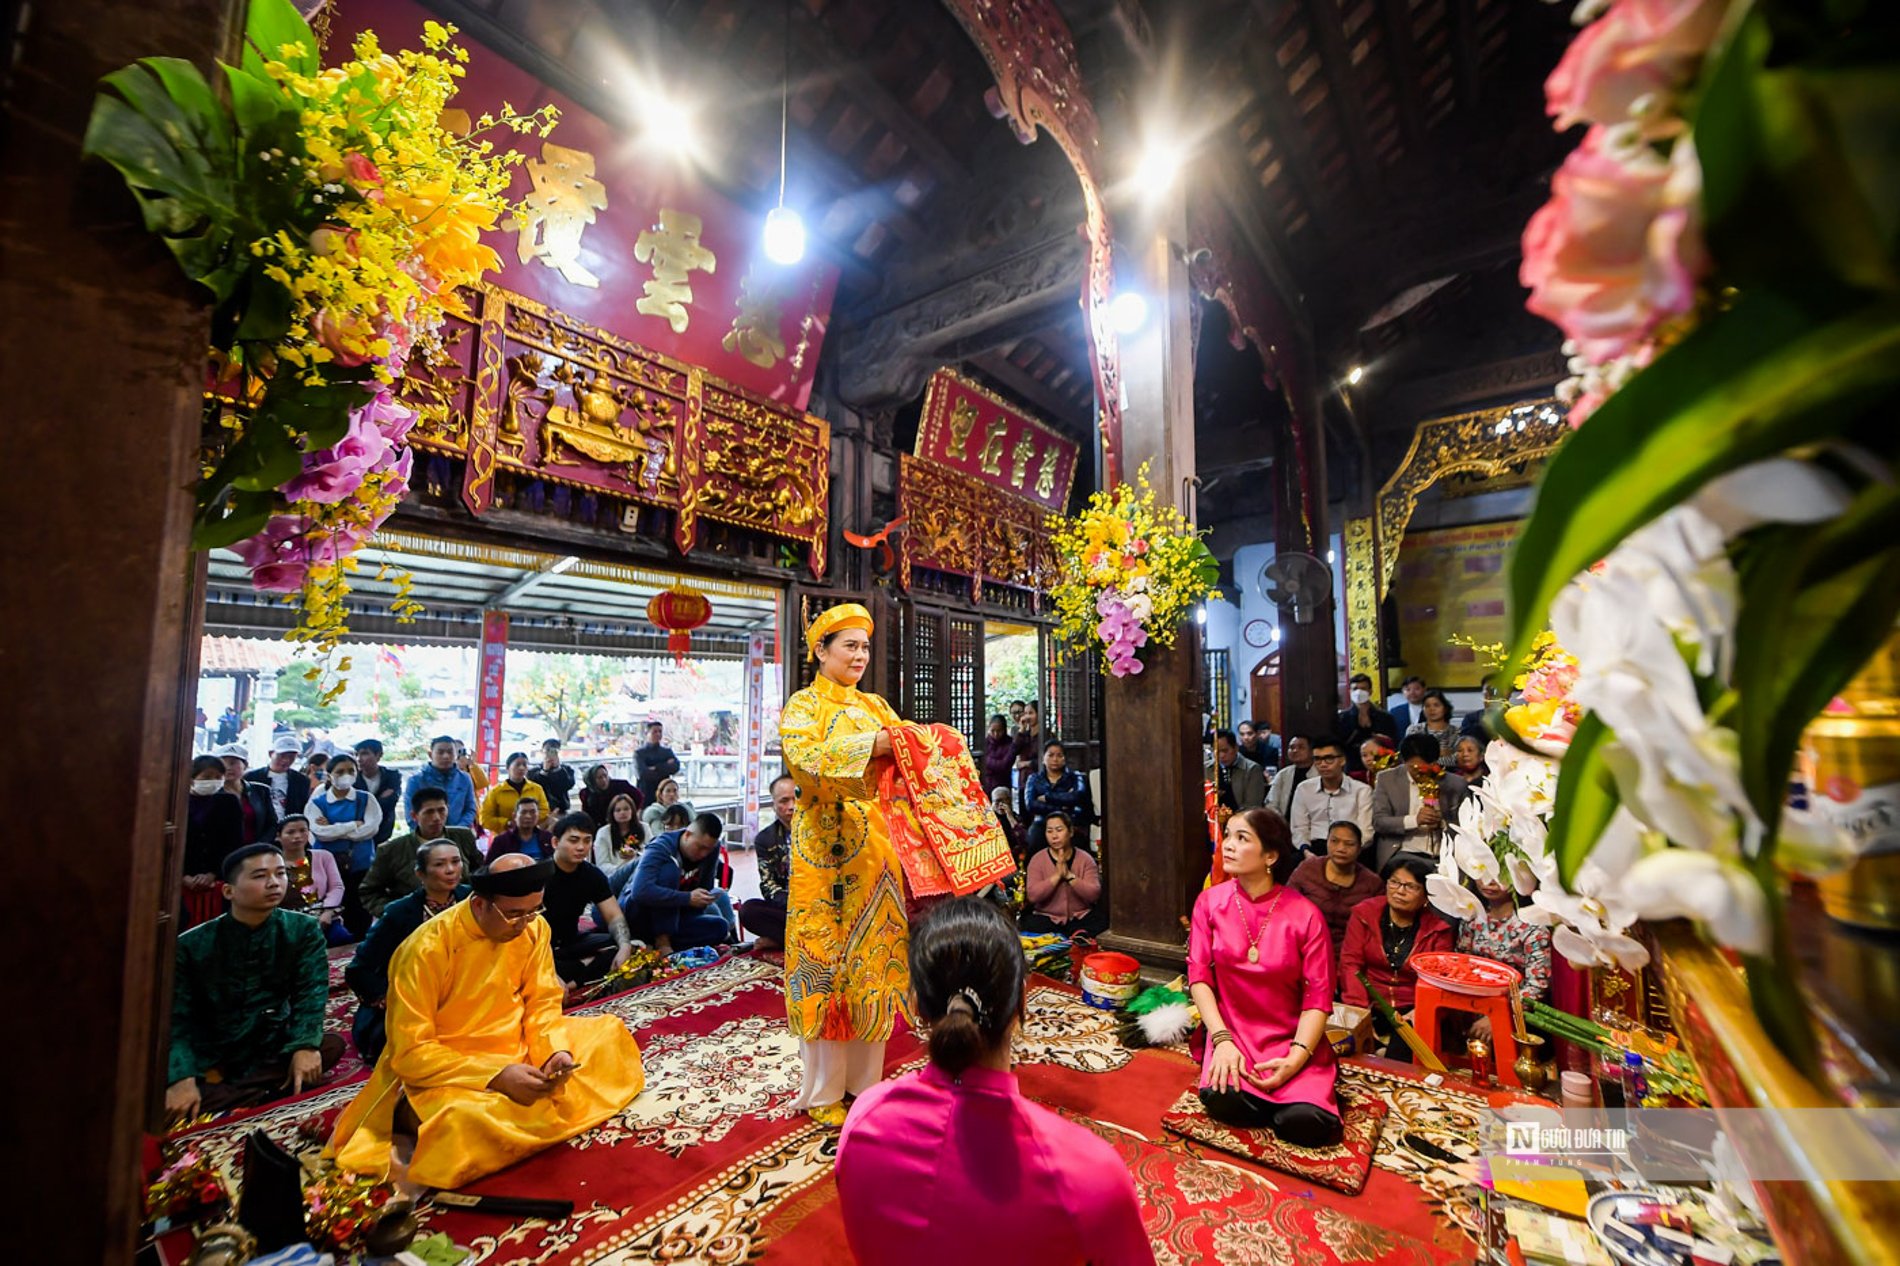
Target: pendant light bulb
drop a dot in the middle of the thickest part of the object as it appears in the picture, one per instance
(784, 236)
(784, 231)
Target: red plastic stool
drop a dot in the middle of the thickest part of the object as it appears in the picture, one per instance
(1429, 1000)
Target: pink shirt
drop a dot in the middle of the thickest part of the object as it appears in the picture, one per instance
(1062, 902)
(1260, 1002)
(940, 1172)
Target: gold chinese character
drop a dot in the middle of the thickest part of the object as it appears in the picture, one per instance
(755, 331)
(553, 217)
(962, 422)
(991, 458)
(1046, 474)
(1019, 459)
(672, 247)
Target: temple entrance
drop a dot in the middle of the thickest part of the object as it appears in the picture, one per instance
(578, 658)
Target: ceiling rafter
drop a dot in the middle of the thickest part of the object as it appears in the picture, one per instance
(1401, 55)
(1323, 21)
(817, 43)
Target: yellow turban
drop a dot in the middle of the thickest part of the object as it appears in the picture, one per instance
(847, 615)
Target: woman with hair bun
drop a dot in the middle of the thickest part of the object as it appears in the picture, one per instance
(951, 1164)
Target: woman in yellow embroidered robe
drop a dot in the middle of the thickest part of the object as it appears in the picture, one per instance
(847, 975)
(462, 1007)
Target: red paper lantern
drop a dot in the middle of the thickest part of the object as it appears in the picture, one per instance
(679, 612)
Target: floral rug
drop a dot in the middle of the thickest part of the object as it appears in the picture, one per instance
(711, 1164)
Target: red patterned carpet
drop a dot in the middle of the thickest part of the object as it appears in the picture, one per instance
(710, 1165)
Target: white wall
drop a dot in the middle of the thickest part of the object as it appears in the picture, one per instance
(1248, 561)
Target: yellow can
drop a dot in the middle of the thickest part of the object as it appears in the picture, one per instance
(1851, 761)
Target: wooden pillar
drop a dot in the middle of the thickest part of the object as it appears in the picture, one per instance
(1310, 679)
(1154, 837)
(102, 352)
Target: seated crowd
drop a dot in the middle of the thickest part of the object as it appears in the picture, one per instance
(283, 862)
(1324, 889)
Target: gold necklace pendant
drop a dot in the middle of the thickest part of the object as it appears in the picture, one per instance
(1253, 953)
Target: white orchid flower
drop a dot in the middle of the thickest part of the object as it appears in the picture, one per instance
(1531, 834)
(1681, 561)
(1453, 899)
(1523, 875)
(1702, 814)
(1590, 922)
(1780, 490)
(1446, 890)
(1523, 785)
(1675, 883)
(1474, 856)
(1630, 673)
(1139, 605)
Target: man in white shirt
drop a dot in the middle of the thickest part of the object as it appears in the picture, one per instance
(1409, 709)
(1328, 798)
(289, 788)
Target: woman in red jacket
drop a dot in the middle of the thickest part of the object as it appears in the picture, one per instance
(1385, 932)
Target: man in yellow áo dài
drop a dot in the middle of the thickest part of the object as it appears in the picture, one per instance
(478, 1047)
(847, 939)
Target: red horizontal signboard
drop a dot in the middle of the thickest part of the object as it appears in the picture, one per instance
(627, 239)
(976, 432)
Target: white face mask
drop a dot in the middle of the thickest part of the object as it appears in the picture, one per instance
(206, 786)
(343, 782)
(1361, 696)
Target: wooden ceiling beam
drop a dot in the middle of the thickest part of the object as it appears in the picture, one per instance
(1322, 18)
(1401, 57)
(1464, 52)
(1057, 406)
(1291, 143)
(828, 57)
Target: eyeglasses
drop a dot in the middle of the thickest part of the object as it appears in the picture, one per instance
(517, 918)
(1403, 886)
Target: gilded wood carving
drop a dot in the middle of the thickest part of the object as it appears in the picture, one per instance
(531, 390)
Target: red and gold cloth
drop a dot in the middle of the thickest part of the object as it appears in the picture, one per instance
(1344, 1166)
(939, 819)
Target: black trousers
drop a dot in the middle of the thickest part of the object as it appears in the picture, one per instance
(1301, 1124)
(764, 919)
(1094, 923)
(587, 957)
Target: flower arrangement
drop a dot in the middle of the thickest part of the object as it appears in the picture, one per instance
(1715, 546)
(333, 215)
(1129, 571)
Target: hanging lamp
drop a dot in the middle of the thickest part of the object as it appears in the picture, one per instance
(784, 230)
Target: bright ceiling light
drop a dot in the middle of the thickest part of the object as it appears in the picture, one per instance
(665, 121)
(1355, 374)
(1160, 164)
(1200, 615)
(784, 236)
(561, 566)
(1127, 311)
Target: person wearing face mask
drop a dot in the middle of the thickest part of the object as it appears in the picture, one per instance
(214, 829)
(1362, 719)
(344, 818)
